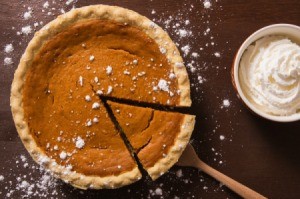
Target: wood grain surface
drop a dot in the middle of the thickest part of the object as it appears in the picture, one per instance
(261, 154)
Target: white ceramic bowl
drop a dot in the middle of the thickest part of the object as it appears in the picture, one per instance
(292, 32)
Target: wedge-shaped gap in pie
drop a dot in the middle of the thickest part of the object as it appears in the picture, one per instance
(157, 137)
(154, 106)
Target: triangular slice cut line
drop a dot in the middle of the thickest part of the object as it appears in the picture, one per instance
(157, 137)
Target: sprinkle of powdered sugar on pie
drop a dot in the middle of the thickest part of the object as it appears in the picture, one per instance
(80, 81)
(140, 74)
(8, 48)
(88, 122)
(179, 64)
(172, 76)
(108, 70)
(69, 167)
(55, 148)
(42, 159)
(109, 90)
(79, 142)
(126, 72)
(92, 57)
(99, 92)
(63, 155)
(119, 166)
(163, 85)
(1, 178)
(95, 105)
(162, 50)
(152, 25)
(135, 62)
(96, 79)
(95, 120)
(88, 98)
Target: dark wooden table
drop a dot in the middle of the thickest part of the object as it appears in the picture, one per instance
(261, 154)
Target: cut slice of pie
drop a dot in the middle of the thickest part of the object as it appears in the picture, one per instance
(157, 137)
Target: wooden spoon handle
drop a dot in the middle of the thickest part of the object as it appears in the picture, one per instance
(235, 186)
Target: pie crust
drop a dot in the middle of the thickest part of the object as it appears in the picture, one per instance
(102, 12)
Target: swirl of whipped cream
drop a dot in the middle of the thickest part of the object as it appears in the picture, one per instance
(269, 74)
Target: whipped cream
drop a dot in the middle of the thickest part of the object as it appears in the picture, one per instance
(269, 75)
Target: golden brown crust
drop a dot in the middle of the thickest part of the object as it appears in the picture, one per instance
(175, 151)
(96, 12)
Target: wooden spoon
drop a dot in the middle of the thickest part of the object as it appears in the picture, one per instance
(189, 158)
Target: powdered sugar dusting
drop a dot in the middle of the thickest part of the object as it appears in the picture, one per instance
(46, 4)
(163, 85)
(158, 191)
(226, 103)
(8, 48)
(108, 70)
(63, 155)
(26, 30)
(24, 185)
(27, 15)
(79, 142)
(8, 61)
(207, 4)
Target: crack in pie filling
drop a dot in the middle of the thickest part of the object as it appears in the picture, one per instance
(72, 62)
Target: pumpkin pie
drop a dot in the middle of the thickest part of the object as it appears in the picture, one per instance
(86, 53)
(157, 137)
